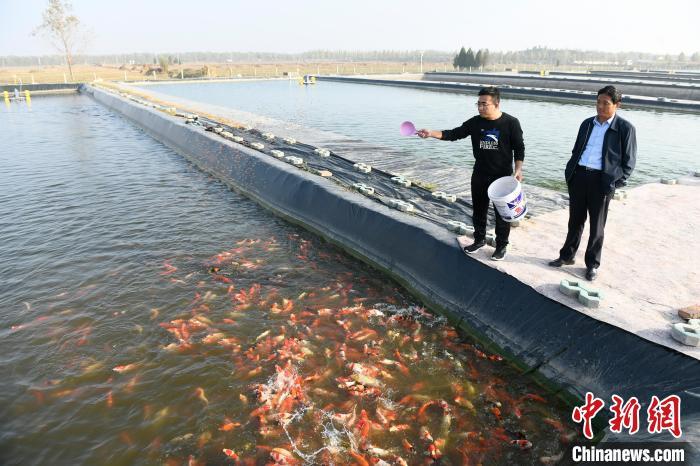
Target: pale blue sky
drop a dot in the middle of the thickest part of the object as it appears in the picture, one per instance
(301, 25)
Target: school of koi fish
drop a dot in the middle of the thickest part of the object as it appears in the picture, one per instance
(342, 375)
(316, 362)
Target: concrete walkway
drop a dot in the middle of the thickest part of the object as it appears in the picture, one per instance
(650, 266)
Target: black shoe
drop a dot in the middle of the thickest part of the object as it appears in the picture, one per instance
(499, 254)
(475, 246)
(591, 273)
(559, 262)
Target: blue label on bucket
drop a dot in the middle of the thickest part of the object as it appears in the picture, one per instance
(515, 202)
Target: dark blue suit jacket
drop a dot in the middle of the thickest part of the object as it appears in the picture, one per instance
(619, 152)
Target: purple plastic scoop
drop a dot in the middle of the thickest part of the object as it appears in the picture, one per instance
(407, 129)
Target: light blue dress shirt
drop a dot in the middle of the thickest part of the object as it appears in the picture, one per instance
(592, 156)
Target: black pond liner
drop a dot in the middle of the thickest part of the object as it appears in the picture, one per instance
(572, 350)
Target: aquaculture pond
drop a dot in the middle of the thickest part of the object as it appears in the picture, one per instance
(153, 316)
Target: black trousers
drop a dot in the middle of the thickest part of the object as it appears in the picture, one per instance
(586, 197)
(480, 200)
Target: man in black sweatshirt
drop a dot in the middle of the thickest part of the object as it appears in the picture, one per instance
(498, 146)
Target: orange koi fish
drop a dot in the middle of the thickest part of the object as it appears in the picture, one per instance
(229, 425)
(168, 268)
(359, 459)
(433, 452)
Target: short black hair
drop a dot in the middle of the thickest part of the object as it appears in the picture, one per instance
(493, 92)
(612, 92)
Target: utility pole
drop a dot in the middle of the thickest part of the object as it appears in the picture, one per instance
(421, 60)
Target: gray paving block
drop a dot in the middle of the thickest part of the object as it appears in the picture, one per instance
(589, 298)
(569, 288)
(590, 290)
(686, 334)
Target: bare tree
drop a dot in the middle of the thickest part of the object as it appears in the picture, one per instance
(62, 29)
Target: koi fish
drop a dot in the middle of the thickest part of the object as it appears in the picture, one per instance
(364, 334)
(282, 456)
(359, 459)
(204, 439)
(229, 425)
(230, 453)
(424, 434)
(367, 380)
(168, 268)
(399, 428)
(199, 393)
(533, 397)
(433, 452)
(522, 443)
(380, 452)
(125, 368)
(222, 279)
(464, 403)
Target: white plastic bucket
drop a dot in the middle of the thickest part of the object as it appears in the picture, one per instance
(508, 198)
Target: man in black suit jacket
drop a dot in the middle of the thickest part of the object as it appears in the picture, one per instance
(603, 158)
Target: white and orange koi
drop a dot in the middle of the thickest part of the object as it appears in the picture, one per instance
(523, 444)
(212, 338)
(282, 456)
(367, 381)
(399, 427)
(125, 368)
(424, 434)
(199, 393)
(230, 453)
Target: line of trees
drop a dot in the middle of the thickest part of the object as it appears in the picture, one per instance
(535, 56)
(468, 59)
